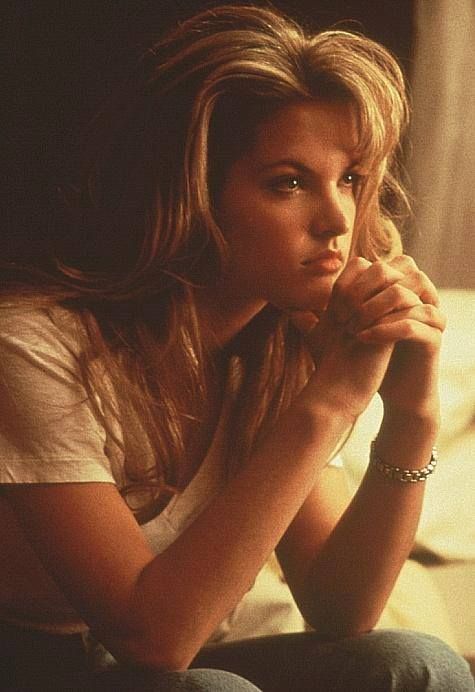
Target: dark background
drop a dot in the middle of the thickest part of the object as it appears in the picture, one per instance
(59, 58)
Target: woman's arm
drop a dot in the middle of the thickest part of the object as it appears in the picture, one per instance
(342, 581)
(159, 611)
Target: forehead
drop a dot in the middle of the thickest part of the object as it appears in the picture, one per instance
(302, 130)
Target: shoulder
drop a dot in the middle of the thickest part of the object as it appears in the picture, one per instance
(50, 427)
(39, 342)
(54, 328)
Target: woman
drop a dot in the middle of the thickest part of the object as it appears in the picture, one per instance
(229, 298)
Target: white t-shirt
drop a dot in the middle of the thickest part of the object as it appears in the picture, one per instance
(49, 434)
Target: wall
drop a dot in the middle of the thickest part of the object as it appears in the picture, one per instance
(442, 162)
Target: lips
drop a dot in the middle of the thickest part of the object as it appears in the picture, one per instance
(326, 262)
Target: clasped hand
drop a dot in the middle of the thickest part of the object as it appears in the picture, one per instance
(381, 331)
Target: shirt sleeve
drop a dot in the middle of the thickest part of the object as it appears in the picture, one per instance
(48, 431)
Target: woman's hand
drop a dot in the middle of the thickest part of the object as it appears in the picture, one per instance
(381, 331)
(348, 371)
(414, 323)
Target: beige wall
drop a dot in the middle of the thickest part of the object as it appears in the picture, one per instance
(442, 164)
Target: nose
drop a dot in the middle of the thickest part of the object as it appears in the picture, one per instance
(332, 213)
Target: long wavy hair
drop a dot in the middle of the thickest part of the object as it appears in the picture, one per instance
(144, 234)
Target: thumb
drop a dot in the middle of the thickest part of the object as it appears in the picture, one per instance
(314, 329)
(304, 320)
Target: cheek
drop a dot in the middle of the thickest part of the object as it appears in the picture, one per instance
(262, 234)
(253, 225)
(236, 214)
(267, 240)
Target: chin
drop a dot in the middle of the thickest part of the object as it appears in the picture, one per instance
(313, 300)
(316, 304)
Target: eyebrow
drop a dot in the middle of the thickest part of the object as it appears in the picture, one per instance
(291, 163)
(298, 165)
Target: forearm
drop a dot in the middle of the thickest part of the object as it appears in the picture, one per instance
(215, 561)
(353, 574)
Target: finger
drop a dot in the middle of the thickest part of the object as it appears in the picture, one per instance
(360, 284)
(379, 276)
(305, 321)
(415, 279)
(423, 323)
(395, 298)
(337, 307)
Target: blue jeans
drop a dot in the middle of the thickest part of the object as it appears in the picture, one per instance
(380, 661)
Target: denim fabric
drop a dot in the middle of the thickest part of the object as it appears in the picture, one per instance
(121, 680)
(380, 661)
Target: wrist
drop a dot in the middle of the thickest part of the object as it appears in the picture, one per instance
(407, 440)
(321, 417)
(402, 475)
(326, 400)
(422, 422)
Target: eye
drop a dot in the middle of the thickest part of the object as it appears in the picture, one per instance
(351, 179)
(286, 183)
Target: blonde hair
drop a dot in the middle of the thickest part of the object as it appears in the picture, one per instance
(146, 235)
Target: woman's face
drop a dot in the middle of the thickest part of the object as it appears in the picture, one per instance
(287, 207)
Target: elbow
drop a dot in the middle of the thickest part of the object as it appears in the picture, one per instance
(339, 629)
(154, 639)
(336, 631)
(159, 658)
(336, 624)
(146, 650)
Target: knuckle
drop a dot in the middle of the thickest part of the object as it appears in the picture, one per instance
(429, 311)
(395, 292)
(439, 318)
(434, 317)
(354, 268)
(401, 297)
(359, 262)
(410, 329)
(406, 262)
(387, 274)
(421, 277)
(409, 261)
(407, 266)
(381, 269)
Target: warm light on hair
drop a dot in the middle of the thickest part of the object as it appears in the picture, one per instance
(146, 234)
